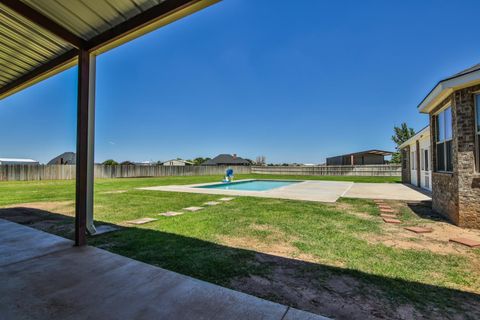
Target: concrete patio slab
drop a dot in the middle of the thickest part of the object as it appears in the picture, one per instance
(211, 203)
(141, 221)
(466, 242)
(322, 191)
(18, 244)
(105, 229)
(193, 209)
(90, 283)
(390, 191)
(295, 314)
(170, 214)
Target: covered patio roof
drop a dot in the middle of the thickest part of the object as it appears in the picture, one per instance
(41, 38)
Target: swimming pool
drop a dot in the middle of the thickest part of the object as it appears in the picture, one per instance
(252, 185)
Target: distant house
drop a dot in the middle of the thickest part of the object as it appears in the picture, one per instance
(359, 158)
(416, 159)
(227, 160)
(5, 161)
(64, 158)
(145, 163)
(177, 162)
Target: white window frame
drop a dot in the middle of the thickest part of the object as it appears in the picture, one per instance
(439, 141)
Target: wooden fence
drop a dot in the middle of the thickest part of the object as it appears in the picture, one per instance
(358, 170)
(67, 172)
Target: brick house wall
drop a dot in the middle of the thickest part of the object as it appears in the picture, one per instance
(456, 195)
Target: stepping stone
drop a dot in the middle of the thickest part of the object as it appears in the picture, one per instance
(104, 229)
(466, 242)
(378, 201)
(387, 211)
(192, 209)
(226, 199)
(113, 192)
(141, 221)
(170, 214)
(386, 215)
(419, 229)
(211, 203)
(389, 220)
(384, 206)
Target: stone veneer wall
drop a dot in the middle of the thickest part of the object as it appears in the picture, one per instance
(456, 195)
(444, 185)
(468, 176)
(445, 195)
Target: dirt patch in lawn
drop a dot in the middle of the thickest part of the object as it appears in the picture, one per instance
(60, 207)
(334, 293)
(276, 243)
(436, 241)
(53, 217)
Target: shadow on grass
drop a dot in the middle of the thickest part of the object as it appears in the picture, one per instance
(323, 289)
(423, 209)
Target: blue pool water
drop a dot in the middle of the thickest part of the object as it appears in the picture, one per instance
(254, 185)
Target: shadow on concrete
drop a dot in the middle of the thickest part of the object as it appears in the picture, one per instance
(331, 291)
(422, 191)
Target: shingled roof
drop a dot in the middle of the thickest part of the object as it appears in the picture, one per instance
(226, 159)
(64, 158)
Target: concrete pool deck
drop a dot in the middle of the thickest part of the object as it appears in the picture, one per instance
(44, 277)
(313, 190)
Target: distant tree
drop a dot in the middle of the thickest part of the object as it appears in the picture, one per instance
(401, 134)
(198, 161)
(110, 162)
(126, 163)
(260, 160)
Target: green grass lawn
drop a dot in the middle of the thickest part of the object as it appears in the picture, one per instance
(237, 243)
(32, 191)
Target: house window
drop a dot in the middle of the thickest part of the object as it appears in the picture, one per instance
(444, 140)
(413, 161)
(477, 129)
(425, 160)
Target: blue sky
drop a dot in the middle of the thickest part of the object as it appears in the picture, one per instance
(294, 81)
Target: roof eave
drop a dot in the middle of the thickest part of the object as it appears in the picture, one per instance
(445, 88)
(417, 135)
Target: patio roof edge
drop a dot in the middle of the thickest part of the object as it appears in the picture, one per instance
(57, 65)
